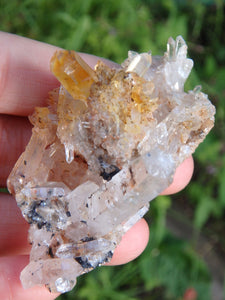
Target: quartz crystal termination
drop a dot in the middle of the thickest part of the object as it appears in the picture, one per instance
(108, 143)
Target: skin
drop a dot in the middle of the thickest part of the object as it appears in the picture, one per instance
(25, 80)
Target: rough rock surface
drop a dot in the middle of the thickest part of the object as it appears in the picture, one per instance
(107, 144)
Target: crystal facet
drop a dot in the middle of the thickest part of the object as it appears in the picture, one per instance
(109, 141)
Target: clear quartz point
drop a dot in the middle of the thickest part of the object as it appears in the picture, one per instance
(140, 63)
(108, 143)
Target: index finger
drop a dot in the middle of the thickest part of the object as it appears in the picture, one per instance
(25, 77)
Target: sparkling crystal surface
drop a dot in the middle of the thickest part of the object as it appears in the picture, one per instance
(107, 144)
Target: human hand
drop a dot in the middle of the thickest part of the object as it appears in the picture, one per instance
(25, 80)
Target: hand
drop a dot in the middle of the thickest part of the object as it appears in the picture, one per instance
(25, 81)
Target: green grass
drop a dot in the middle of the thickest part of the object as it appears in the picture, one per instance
(109, 29)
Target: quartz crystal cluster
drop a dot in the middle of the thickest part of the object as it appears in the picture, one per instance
(108, 142)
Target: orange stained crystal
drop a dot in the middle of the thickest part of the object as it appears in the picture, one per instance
(73, 73)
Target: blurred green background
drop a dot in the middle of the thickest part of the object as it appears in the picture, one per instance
(185, 257)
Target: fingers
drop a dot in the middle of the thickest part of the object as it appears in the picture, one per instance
(132, 244)
(135, 240)
(25, 77)
(10, 286)
(14, 230)
(182, 177)
(14, 135)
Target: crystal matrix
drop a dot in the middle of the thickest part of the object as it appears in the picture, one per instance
(108, 143)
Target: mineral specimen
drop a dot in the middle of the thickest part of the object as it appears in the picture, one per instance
(108, 143)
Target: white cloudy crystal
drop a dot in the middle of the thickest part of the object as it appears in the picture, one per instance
(108, 143)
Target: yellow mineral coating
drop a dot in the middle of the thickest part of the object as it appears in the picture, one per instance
(40, 117)
(143, 103)
(77, 78)
(73, 73)
(69, 109)
(120, 98)
(52, 100)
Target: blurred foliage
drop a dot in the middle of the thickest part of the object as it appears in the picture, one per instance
(109, 29)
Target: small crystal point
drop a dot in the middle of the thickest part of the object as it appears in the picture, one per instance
(140, 63)
(177, 66)
(108, 143)
(176, 47)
